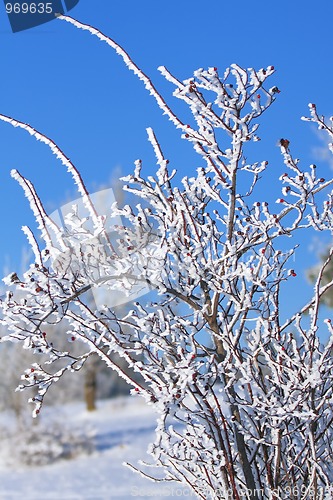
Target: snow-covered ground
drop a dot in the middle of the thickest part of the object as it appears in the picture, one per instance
(121, 430)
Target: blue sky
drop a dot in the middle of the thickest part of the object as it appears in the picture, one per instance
(76, 90)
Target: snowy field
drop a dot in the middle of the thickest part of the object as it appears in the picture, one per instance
(120, 431)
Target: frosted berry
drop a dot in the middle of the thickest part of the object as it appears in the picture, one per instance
(284, 143)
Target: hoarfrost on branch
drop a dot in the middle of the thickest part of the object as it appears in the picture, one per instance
(244, 401)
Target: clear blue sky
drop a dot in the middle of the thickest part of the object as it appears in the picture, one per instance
(77, 90)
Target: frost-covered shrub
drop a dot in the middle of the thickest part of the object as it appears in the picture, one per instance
(44, 443)
(243, 397)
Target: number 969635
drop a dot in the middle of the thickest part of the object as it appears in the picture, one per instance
(29, 8)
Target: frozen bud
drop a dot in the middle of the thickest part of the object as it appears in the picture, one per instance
(312, 106)
(284, 143)
(14, 278)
